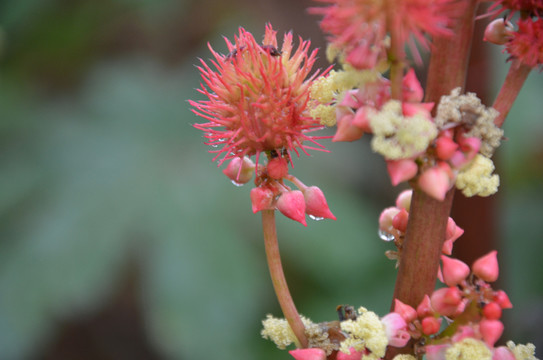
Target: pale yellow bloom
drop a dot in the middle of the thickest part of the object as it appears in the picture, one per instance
(366, 332)
(468, 349)
(522, 352)
(477, 178)
(398, 137)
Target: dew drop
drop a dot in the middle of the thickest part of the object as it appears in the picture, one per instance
(237, 183)
(385, 236)
(214, 145)
(316, 218)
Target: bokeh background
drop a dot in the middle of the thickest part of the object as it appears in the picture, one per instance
(120, 239)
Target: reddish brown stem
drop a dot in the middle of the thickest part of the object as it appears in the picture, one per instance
(428, 217)
(278, 277)
(514, 80)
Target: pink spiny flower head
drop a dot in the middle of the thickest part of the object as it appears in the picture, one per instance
(258, 97)
(526, 44)
(359, 28)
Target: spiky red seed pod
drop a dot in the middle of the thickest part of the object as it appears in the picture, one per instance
(258, 97)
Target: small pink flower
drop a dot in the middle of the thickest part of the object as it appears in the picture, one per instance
(452, 233)
(425, 308)
(526, 44)
(261, 199)
(492, 311)
(407, 312)
(396, 329)
(400, 220)
(315, 203)
(491, 330)
(436, 352)
(502, 299)
(401, 170)
(486, 267)
(277, 167)
(435, 182)
(445, 147)
(454, 271)
(403, 201)
(498, 32)
(308, 354)
(354, 355)
(503, 353)
(430, 325)
(292, 205)
(257, 98)
(446, 300)
(240, 170)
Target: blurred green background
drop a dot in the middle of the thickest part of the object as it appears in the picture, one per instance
(120, 239)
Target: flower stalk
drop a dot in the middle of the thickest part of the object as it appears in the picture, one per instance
(278, 277)
(516, 76)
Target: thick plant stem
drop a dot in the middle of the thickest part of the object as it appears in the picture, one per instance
(278, 277)
(428, 217)
(514, 80)
(420, 254)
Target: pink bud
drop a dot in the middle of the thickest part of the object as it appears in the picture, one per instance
(315, 203)
(463, 332)
(346, 131)
(411, 88)
(407, 312)
(308, 354)
(436, 352)
(454, 271)
(399, 221)
(498, 32)
(453, 232)
(395, 329)
(435, 182)
(386, 217)
(445, 147)
(401, 170)
(425, 308)
(486, 267)
(277, 167)
(492, 311)
(412, 109)
(503, 353)
(502, 299)
(430, 325)
(261, 199)
(491, 330)
(354, 355)
(240, 170)
(350, 100)
(403, 201)
(469, 147)
(292, 205)
(446, 300)
(361, 119)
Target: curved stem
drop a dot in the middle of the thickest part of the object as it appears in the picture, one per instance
(514, 80)
(278, 277)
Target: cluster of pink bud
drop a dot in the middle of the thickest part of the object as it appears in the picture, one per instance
(353, 112)
(393, 225)
(452, 151)
(469, 305)
(271, 192)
